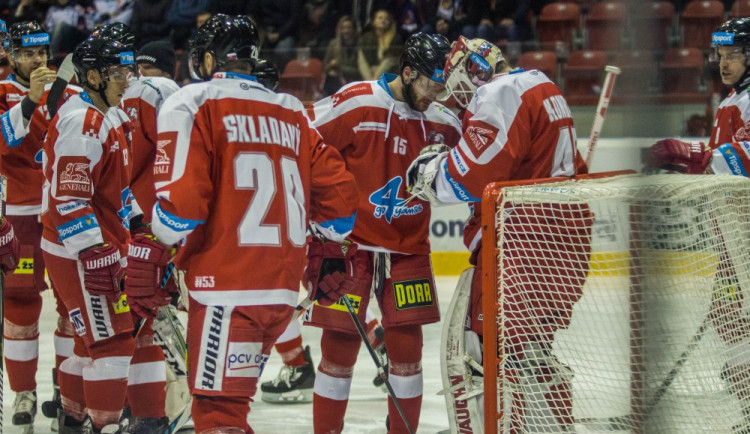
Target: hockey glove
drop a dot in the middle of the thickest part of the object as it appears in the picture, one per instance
(420, 176)
(147, 263)
(9, 248)
(329, 273)
(679, 156)
(102, 272)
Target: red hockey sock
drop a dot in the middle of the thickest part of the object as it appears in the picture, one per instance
(220, 411)
(404, 345)
(291, 352)
(147, 382)
(333, 380)
(21, 332)
(70, 379)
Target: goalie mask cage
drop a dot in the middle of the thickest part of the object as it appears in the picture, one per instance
(617, 304)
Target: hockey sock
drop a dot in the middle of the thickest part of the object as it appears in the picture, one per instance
(147, 381)
(228, 412)
(63, 334)
(70, 379)
(291, 352)
(333, 380)
(21, 347)
(404, 345)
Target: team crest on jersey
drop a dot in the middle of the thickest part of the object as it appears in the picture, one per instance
(349, 93)
(480, 135)
(412, 293)
(387, 203)
(435, 138)
(163, 163)
(74, 178)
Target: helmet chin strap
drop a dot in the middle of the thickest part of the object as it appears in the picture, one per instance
(744, 81)
(102, 91)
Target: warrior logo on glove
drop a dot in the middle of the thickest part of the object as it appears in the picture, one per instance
(329, 273)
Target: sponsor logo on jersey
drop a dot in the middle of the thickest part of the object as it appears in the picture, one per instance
(245, 359)
(77, 226)
(722, 38)
(175, 223)
(351, 92)
(74, 177)
(262, 129)
(387, 203)
(480, 135)
(100, 315)
(557, 108)
(412, 293)
(459, 162)
(9, 134)
(25, 266)
(165, 147)
(732, 160)
(127, 58)
(77, 320)
(35, 39)
(211, 346)
(355, 301)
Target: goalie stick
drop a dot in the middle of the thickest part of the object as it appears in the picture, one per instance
(375, 358)
(601, 110)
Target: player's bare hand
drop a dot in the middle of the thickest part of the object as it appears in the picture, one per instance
(39, 78)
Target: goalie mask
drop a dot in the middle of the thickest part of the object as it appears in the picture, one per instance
(471, 64)
(731, 41)
(228, 38)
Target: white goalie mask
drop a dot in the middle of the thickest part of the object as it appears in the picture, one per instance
(471, 63)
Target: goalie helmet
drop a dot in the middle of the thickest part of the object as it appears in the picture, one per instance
(100, 54)
(471, 63)
(426, 53)
(266, 74)
(117, 31)
(228, 38)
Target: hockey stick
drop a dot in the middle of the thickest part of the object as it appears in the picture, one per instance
(3, 197)
(601, 110)
(374, 356)
(64, 75)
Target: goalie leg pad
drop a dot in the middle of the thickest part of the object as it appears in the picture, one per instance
(462, 386)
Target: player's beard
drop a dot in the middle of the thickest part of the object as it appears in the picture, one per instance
(410, 96)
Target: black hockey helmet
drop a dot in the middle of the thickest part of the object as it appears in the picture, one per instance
(426, 53)
(100, 54)
(27, 34)
(228, 38)
(117, 31)
(266, 74)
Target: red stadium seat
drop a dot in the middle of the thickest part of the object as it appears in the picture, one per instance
(545, 61)
(681, 72)
(605, 25)
(558, 23)
(652, 24)
(699, 19)
(583, 75)
(740, 8)
(302, 79)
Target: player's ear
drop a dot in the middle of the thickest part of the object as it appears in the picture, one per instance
(93, 77)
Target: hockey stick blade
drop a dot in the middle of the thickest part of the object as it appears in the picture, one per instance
(375, 358)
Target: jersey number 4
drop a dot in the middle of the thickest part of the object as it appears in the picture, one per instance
(255, 171)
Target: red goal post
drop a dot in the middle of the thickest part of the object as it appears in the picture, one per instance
(643, 346)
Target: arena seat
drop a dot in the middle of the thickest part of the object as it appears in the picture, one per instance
(558, 23)
(605, 25)
(582, 76)
(699, 19)
(545, 61)
(652, 24)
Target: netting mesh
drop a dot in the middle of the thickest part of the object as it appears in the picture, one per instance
(620, 305)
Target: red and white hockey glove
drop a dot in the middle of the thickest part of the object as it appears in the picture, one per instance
(145, 285)
(102, 272)
(329, 273)
(10, 252)
(679, 156)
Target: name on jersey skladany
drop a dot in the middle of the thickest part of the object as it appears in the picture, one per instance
(262, 129)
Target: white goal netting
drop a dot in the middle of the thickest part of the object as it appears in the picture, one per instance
(618, 305)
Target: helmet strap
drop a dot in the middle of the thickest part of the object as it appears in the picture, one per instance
(102, 89)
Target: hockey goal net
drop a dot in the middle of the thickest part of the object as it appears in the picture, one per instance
(617, 304)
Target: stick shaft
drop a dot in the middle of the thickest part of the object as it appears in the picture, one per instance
(601, 110)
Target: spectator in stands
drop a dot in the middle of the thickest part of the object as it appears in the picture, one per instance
(340, 62)
(408, 19)
(362, 12)
(112, 11)
(68, 23)
(31, 10)
(501, 21)
(317, 25)
(278, 20)
(149, 21)
(380, 47)
(183, 73)
(156, 59)
(229, 7)
(459, 13)
(181, 16)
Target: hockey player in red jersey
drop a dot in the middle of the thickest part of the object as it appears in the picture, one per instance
(23, 122)
(86, 216)
(517, 126)
(379, 127)
(727, 152)
(245, 173)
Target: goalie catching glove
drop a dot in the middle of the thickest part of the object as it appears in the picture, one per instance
(676, 155)
(145, 285)
(329, 273)
(10, 252)
(420, 176)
